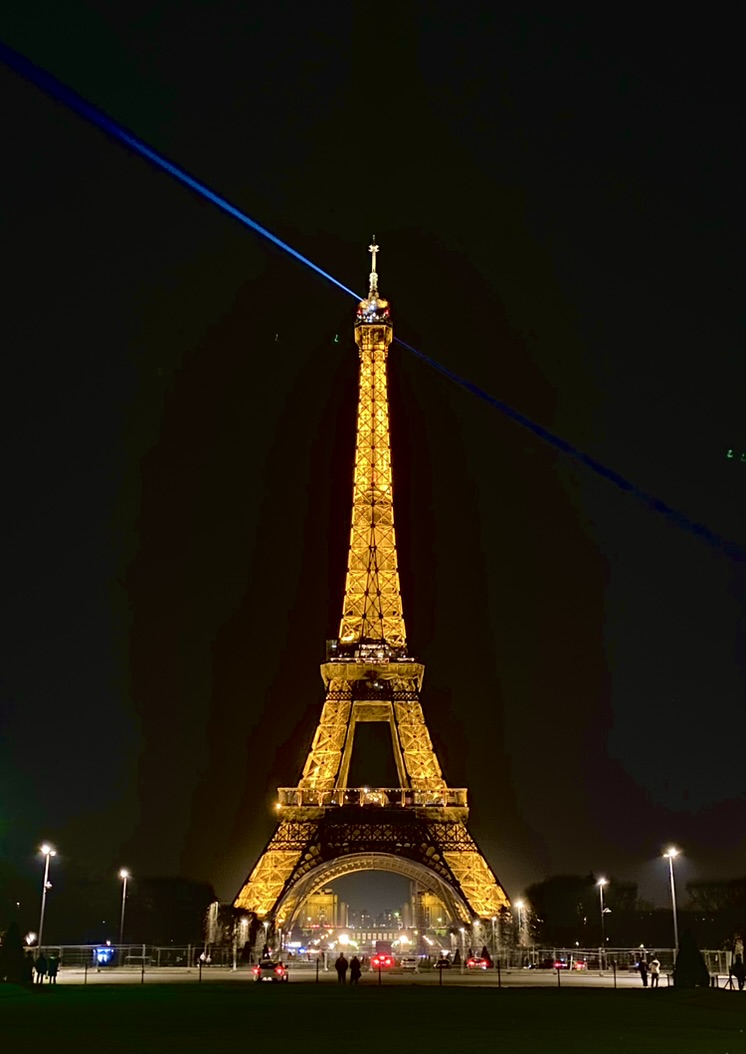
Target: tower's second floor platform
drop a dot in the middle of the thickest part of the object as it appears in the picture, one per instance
(372, 797)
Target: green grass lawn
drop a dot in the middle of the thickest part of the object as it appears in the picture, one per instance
(215, 1017)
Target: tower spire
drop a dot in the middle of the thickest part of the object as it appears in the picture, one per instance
(372, 610)
(373, 286)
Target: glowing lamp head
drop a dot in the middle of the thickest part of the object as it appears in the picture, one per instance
(672, 852)
(519, 905)
(47, 850)
(124, 873)
(602, 882)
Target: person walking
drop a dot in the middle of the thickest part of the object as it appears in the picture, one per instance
(53, 966)
(738, 970)
(642, 966)
(40, 966)
(655, 971)
(355, 970)
(341, 967)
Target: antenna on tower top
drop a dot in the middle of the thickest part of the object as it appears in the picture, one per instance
(373, 249)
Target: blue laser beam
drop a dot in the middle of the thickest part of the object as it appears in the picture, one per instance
(62, 93)
(54, 87)
(729, 547)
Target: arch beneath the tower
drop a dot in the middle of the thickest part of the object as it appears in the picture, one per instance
(289, 905)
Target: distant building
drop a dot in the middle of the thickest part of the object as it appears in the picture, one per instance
(324, 909)
(424, 911)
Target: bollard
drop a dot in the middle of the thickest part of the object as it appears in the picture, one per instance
(499, 980)
(440, 975)
(85, 973)
(559, 974)
(142, 971)
(613, 967)
(317, 971)
(200, 971)
(379, 974)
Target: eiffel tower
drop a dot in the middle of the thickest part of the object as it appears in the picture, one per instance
(326, 828)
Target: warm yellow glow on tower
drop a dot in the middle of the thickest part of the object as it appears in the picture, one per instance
(372, 609)
(325, 827)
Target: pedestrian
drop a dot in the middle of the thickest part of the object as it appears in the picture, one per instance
(356, 969)
(738, 970)
(341, 967)
(52, 967)
(40, 966)
(642, 966)
(655, 971)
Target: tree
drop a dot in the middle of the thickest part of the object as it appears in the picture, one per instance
(567, 908)
(690, 970)
(718, 896)
(13, 967)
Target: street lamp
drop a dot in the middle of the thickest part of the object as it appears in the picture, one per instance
(124, 875)
(670, 855)
(519, 905)
(47, 851)
(601, 883)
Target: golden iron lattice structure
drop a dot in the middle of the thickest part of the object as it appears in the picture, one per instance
(326, 828)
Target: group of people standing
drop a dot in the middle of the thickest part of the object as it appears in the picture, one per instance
(44, 967)
(342, 965)
(653, 967)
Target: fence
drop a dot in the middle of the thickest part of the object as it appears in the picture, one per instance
(147, 956)
(717, 961)
(101, 956)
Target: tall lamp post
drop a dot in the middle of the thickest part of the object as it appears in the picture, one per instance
(47, 851)
(601, 883)
(670, 855)
(519, 905)
(124, 875)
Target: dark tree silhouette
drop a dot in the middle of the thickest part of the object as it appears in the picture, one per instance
(690, 970)
(12, 957)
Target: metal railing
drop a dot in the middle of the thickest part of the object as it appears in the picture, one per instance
(135, 956)
(373, 797)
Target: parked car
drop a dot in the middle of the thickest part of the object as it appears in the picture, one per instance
(381, 961)
(442, 963)
(476, 962)
(408, 963)
(270, 970)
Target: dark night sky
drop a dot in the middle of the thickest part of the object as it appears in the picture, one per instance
(560, 204)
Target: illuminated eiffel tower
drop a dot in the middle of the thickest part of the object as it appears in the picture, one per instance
(326, 828)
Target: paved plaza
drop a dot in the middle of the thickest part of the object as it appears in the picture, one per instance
(302, 973)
